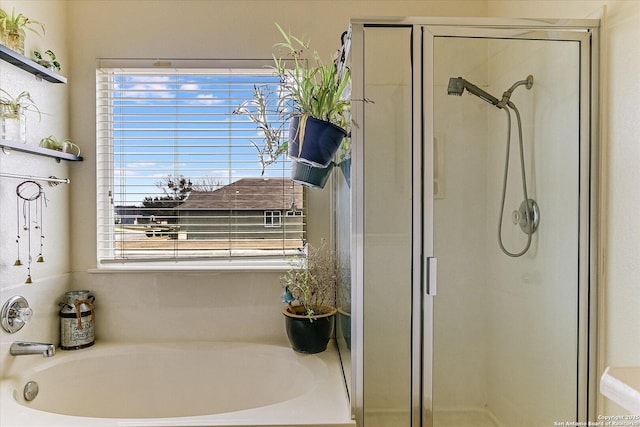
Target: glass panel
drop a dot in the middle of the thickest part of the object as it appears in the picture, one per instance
(387, 227)
(506, 328)
(342, 221)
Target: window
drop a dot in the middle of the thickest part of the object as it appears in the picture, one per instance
(273, 219)
(183, 174)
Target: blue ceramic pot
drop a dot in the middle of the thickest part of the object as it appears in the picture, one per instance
(309, 335)
(314, 141)
(311, 176)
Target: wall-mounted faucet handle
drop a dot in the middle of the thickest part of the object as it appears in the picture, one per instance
(15, 314)
(22, 314)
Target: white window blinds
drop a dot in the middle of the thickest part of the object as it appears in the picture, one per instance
(180, 175)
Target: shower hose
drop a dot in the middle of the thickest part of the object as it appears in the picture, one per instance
(524, 184)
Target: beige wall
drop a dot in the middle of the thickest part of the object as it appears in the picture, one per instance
(50, 278)
(619, 340)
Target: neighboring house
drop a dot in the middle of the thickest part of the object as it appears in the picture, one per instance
(128, 215)
(249, 209)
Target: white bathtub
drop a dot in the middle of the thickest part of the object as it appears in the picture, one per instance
(179, 384)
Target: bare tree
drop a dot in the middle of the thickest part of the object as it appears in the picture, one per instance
(208, 183)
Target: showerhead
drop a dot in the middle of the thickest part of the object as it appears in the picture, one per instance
(457, 85)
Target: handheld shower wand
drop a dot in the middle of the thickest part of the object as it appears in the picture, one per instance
(457, 85)
(529, 208)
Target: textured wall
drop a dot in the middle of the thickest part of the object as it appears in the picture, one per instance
(50, 278)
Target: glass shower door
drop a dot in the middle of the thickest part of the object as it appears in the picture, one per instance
(509, 332)
(500, 340)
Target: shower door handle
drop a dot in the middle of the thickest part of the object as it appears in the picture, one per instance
(430, 275)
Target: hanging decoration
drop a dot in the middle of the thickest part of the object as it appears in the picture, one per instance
(343, 54)
(29, 204)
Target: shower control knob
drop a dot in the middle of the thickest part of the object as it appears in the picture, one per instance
(23, 314)
(515, 217)
(529, 216)
(15, 314)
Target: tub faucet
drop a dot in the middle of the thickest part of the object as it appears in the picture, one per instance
(21, 348)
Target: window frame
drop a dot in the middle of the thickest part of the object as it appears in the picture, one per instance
(106, 264)
(273, 219)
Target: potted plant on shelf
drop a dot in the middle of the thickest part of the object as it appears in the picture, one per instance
(12, 115)
(12, 29)
(66, 146)
(310, 293)
(50, 63)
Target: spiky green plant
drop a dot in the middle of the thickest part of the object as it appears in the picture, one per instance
(12, 28)
(315, 90)
(313, 85)
(13, 106)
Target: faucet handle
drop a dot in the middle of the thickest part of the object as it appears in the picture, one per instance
(23, 314)
(15, 314)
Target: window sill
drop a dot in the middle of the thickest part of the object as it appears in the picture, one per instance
(192, 266)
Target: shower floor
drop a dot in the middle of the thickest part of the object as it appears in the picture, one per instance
(451, 418)
(466, 418)
(387, 419)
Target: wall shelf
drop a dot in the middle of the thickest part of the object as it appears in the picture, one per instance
(30, 66)
(39, 151)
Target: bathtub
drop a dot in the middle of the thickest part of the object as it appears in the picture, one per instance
(179, 384)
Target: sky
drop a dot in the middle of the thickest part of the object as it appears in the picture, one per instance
(183, 124)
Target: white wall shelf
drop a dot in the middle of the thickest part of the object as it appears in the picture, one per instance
(30, 66)
(39, 151)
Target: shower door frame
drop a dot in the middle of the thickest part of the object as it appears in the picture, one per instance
(424, 286)
(585, 32)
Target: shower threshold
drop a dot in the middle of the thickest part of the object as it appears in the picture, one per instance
(465, 418)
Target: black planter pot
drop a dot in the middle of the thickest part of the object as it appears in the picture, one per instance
(314, 141)
(309, 334)
(344, 320)
(308, 175)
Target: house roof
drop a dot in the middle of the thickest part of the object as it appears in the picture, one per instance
(248, 194)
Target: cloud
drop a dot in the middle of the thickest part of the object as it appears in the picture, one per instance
(191, 87)
(141, 165)
(205, 99)
(145, 87)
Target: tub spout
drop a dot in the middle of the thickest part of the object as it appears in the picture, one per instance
(21, 348)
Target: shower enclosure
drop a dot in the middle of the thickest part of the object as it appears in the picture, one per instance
(447, 329)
